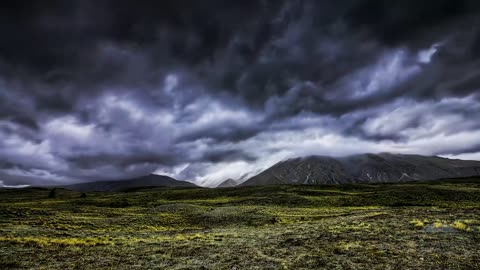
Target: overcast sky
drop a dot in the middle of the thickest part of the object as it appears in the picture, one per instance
(213, 89)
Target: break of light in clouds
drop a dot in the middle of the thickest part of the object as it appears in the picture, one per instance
(210, 90)
(15, 186)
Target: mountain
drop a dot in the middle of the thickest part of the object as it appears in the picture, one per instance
(228, 183)
(366, 168)
(151, 180)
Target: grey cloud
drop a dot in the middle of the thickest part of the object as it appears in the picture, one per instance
(210, 89)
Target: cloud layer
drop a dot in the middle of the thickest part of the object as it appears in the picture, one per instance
(211, 90)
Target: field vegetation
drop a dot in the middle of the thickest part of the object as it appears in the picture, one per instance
(426, 225)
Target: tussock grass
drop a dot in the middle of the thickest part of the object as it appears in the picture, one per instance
(430, 225)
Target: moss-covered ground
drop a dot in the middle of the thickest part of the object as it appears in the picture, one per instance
(433, 225)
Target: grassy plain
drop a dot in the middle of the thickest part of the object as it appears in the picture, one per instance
(434, 225)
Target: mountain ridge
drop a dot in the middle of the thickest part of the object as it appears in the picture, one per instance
(364, 168)
(151, 180)
(228, 183)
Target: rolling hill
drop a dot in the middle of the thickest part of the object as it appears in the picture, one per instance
(151, 180)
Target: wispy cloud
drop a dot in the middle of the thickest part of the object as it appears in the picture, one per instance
(215, 90)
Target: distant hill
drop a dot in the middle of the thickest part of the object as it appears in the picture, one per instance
(151, 180)
(366, 168)
(228, 183)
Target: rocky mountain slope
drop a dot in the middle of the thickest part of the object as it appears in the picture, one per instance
(228, 183)
(366, 168)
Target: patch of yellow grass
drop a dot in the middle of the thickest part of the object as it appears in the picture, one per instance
(460, 226)
(46, 241)
(417, 223)
(343, 246)
(438, 225)
(189, 237)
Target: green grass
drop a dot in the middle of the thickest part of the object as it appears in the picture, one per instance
(425, 225)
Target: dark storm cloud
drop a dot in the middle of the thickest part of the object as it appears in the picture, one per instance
(210, 90)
